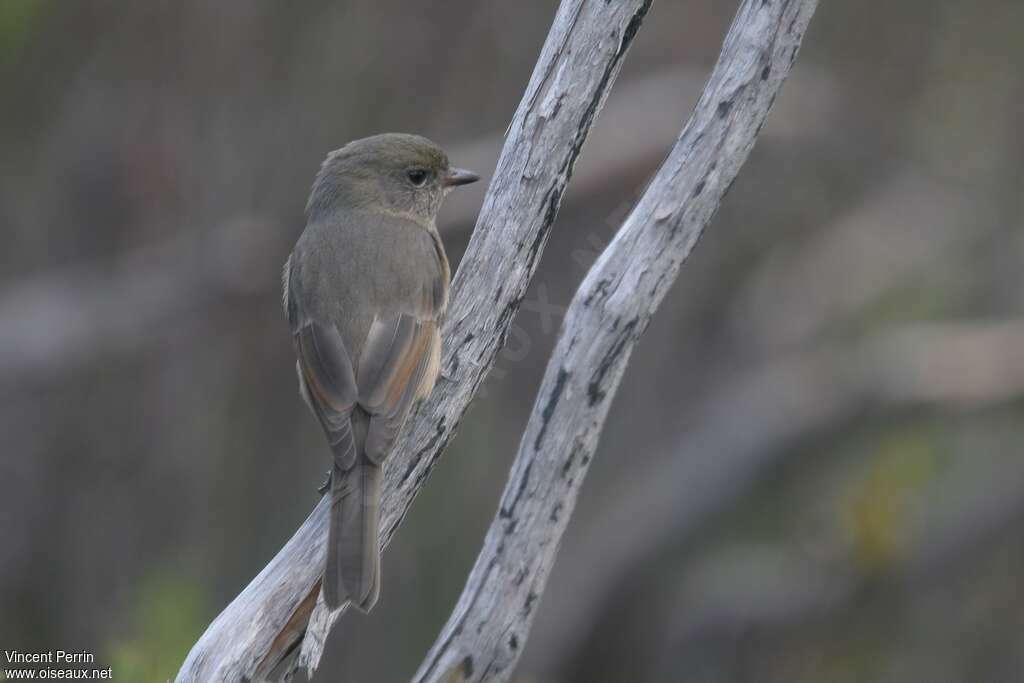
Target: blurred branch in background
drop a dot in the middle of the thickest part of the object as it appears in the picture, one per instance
(907, 224)
(483, 638)
(747, 585)
(280, 614)
(755, 421)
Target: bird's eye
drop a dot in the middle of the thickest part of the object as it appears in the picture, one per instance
(417, 176)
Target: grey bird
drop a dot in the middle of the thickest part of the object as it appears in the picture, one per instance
(365, 290)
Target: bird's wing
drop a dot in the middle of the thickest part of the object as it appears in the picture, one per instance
(399, 357)
(327, 373)
(331, 386)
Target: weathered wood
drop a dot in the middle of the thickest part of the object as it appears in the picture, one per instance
(485, 635)
(576, 68)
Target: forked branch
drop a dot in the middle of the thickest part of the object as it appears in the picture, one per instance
(280, 614)
(485, 635)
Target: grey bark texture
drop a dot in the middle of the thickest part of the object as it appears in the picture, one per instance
(484, 637)
(279, 614)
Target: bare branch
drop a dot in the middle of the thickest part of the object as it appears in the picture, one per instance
(267, 622)
(484, 636)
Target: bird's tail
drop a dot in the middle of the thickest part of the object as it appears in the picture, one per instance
(352, 571)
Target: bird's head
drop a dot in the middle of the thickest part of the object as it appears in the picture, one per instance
(392, 171)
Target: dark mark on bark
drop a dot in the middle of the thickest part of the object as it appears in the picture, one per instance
(551, 204)
(723, 108)
(439, 448)
(568, 463)
(530, 600)
(632, 27)
(506, 512)
(599, 290)
(513, 642)
(456, 354)
(503, 324)
(429, 446)
(700, 188)
(467, 666)
(594, 391)
(556, 511)
(766, 72)
(549, 408)
(520, 577)
(657, 284)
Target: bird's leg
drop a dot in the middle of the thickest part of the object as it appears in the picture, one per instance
(326, 486)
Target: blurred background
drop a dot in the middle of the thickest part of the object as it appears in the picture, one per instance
(812, 471)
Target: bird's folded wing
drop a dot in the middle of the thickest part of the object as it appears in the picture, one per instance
(330, 381)
(398, 354)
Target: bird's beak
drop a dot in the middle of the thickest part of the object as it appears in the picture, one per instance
(459, 176)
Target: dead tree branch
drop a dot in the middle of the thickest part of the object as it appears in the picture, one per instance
(484, 637)
(280, 613)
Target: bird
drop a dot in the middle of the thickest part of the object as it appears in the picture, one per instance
(365, 291)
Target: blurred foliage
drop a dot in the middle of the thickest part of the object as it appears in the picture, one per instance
(879, 502)
(17, 21)
(168, 614)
